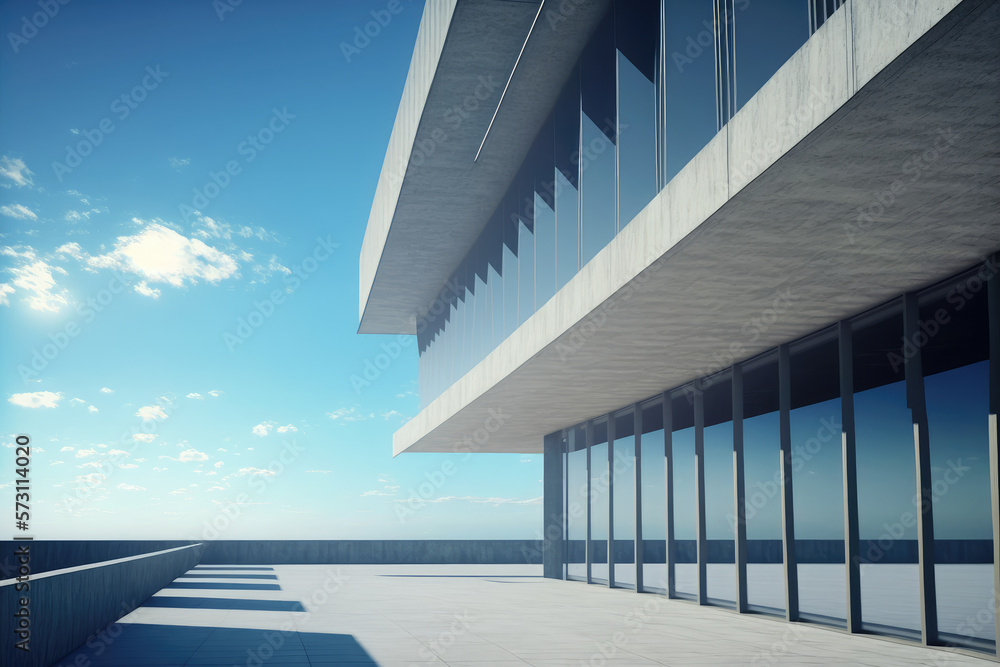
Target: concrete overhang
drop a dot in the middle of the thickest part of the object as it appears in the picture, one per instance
(433, 196)
(866, 167)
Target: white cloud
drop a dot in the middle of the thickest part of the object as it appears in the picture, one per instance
(151, 412)
(83, 453)
(36, 399)
(322, 472)
(127, 466)
(389, 414)
(286, 429)
(178, 163)
(119, 452)
(195, 395)
(262, 429)
(474, 499)
(347, 415)
(92, 410)
(144, 289)
(56, 463)
(131, 487)
(5, 289)
(144, 437)
(18, 211)
(161, 255)
(67, 449)
(177, 492)
(16, 170)
(77, 401)
(35, 277)
(215, 393)
(219, 464)
(105, 390)
(192, 455)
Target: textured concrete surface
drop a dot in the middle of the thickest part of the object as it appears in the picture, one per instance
(815, 203)
(398, 616)
(248, 552)
(432, 218)
(67, 606)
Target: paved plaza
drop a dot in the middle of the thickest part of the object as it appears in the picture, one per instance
(411, 615)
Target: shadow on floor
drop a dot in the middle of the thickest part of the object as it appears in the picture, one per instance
(169, 645)
(224, 586)
(223, 603)
(188, 575)
(231, 567)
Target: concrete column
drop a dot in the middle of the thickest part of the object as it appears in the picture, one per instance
(637, 414)
(668, 463)
(699, 466)
(611, 500)
(589, 440)
(993, 285)
(787, 507)
(916, 401)
(552, 492)
(739, 491)
(850, 468)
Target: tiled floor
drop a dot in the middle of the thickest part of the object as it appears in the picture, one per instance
(412, 616)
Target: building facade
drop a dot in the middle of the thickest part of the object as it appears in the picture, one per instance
(732, 267)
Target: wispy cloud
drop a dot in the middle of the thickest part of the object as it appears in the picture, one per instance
(149, 412)
(178, 163)
(130, 487)
(15, 170)
(19, 212)
(144, 289)
(348, 415)
(263, 428)
(195, 395)
(34, 276)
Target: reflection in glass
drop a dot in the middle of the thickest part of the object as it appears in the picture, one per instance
(690, 81)
(576, 505)
(600, 487)
(767, 34)
(720, 521)
(653, 499)
(566, 149)
(636, 25)
(685, 498)
(817, 479)
(623, 469)
(510, 269)
(597, 154)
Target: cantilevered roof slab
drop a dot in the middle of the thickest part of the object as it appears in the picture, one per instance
(866, 167)
(433, 197)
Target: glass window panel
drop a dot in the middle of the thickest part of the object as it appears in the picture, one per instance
(566, 149)
(818, 480)
(653, 499)
(886, 464)
(525, 248)
(623, 469)
(689, 81)
(955, 359)
(597, 155)
(636, 25)
(510, 270)
(762, 486)
(600, 488)
(576, 506)
(480, 343)
(545, 251)
(685, 498)
(767, 34)
(720, 522)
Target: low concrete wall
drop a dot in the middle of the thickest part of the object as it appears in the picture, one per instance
(67, 608)
(47, 555)
(376, 552)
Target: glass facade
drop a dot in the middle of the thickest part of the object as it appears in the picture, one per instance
(654, 84)
(917, 364)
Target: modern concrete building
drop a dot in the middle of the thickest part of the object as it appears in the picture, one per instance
(732, 266)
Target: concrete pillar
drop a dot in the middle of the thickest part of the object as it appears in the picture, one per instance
(739, 491)
(916, 401)
(552, 502)
(787, 506)
(637, 415)
(699, 463)
(850, 468)
(993, 285)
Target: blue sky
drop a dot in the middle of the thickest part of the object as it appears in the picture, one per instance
(183, 195)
